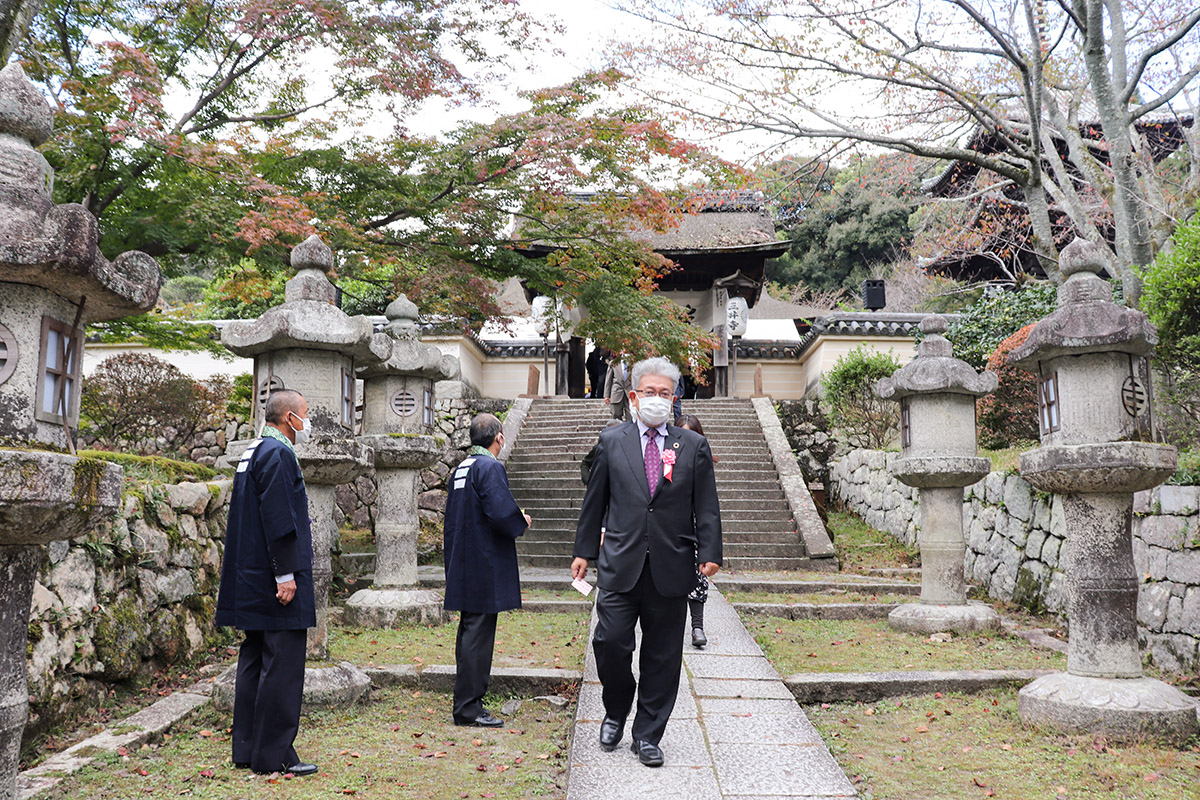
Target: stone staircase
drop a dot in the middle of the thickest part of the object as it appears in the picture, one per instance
(543, 472)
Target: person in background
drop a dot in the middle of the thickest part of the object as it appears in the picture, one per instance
(267, 590)
(483, 522)
(616, 389)
(699, 594)
(597, 369)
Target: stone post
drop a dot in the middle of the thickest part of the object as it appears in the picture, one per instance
(53, 281)
(310, 345)
(1094, 419)
(937, 393)
(398, 423)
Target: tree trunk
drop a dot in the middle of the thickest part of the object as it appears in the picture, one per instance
(1132, 228)
(15, 19)
(1043, 234)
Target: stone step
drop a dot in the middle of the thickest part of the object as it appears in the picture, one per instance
(534, 479)
(764, 549)
(773, 520)
(781, 564)
(735, 509)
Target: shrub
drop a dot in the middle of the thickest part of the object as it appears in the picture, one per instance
(997, 315)
(1009, 416)
(1188, 471)
(1171, 298)
(132, 398)
(860, 417)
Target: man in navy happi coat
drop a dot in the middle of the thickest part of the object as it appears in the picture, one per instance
(267, 590)
(483, 522)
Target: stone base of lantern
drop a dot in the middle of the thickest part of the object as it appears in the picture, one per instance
(325, 686)
(1123, 710)
(384, 608)
(928, 618)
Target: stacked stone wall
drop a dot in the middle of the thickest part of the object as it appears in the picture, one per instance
(1017, 546)
(807, 431)
(132, 596)
(204, 446)
(356, 502)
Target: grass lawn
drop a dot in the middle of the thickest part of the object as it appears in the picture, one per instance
(522, 640)
(974, 746)
(860, 547)
(871, 646)
(820, 598)
(400, 746)
(357, 540)
(565, 592)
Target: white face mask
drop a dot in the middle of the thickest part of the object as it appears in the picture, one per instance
(304, 431)
(653, 411)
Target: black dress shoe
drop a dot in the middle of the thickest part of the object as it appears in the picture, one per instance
(301, 769)
(298, 770)
(241, 765)
(698, 637)
(649, 754)
(611, 731)
(484, 720)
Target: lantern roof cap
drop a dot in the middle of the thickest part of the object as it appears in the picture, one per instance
(1086, 320)
(935, 370)
(308, 317)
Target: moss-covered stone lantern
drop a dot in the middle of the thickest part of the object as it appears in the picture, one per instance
(53, 282)
(398, 424)
(1089, 357)
(937, 394)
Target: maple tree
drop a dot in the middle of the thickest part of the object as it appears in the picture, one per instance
(215, 134)
(1066, 95)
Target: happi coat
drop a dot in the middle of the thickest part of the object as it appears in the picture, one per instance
(483, 522)
(268, 534)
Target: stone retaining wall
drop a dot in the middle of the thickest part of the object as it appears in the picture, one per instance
(807, 430)
(137, 594)
(1016, 546)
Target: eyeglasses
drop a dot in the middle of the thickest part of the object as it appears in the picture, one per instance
(666, 394)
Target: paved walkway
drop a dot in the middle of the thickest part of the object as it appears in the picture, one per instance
(736, 732)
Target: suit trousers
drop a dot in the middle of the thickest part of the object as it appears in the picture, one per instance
(662, 620)
(267, 697)
(473, 663)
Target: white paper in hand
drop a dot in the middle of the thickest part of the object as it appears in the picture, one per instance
(582, 586)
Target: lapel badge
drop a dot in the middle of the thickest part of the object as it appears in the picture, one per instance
(675, 445)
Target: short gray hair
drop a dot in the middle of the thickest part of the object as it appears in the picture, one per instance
(484, 429)
(279, 403)
(657, 366)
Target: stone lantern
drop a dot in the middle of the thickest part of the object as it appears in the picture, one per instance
(310, 345)
(1089, 357)
(937, 394)
(398, 424)
(53, 281)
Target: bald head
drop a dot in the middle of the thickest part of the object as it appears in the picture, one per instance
(280, 402)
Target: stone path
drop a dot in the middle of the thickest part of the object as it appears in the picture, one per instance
(736, 732)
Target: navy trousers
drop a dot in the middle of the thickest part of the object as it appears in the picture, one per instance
(267, 696)
(473, 663)
(662, 619)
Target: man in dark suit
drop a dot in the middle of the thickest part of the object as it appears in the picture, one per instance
(655, 482)
(267, 590)
(483, 522)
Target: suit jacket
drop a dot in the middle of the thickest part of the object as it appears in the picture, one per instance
(616, 388)
(268, 535)
(679, 526)
(483, 522)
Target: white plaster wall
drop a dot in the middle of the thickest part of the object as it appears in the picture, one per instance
(200, 366)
